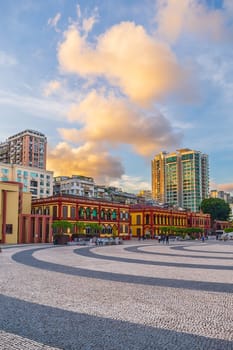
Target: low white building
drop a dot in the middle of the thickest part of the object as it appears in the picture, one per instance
(37, 181)
(77, 185)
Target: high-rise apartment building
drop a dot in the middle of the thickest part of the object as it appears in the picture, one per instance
(27, 148)
(181, 178)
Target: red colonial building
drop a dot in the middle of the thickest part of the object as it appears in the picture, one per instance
(148, 220)
(113, 217)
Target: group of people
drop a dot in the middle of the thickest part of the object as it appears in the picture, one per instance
(163, 239)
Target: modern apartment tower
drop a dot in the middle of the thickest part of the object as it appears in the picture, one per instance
(180, 179)
(27, 148)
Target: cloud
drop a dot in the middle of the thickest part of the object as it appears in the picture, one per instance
(111, 122)
(85, 160)
(52, 87)
(33, 105)
(6, 59)
(128, 57)
(132, 184)
(88, 23)
(227, 187)
(52, 22)
(175, 18)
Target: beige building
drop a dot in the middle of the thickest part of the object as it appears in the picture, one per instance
(17, 225)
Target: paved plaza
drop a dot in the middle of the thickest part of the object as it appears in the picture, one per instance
(139, 295)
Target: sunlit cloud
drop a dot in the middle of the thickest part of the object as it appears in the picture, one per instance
(111, 122)
(177, 18)
(84, 160)
(51, 87)
(144, 70)
(225, 187)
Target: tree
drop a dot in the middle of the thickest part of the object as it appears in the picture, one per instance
(62, 225)
(94, 229)
(217, 208)
(80, 227)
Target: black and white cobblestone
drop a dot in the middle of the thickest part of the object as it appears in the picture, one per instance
(134, 296)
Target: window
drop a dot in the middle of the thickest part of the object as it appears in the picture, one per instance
(9, 228)
(33, 183)
(138, 219)
(54, 212)
(94, 213)
(65, 212)
(72, 212)
(81, 213)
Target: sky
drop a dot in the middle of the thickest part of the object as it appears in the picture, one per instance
(113, 83)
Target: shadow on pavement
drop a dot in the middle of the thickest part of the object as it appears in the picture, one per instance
(72, 330)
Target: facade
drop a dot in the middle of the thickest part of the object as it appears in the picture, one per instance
(76, 185)
(114, 218)
(222, 195)
(158, 177)
(149, 220)
(83, 186)
(27, 148)
(16, 222)
(180, 179)
(38, 182)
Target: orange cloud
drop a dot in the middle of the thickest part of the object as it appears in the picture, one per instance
(86, 160)
(228, 187)
(109, 122)
(128, 57)
(175, 18)
(51, 87)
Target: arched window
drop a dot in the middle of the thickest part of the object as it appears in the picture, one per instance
(109, 215)
(81, 212)
(114, 215)
(94, 213)
(147, 219)
(88, 213)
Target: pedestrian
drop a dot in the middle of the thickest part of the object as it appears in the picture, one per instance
(203, 238)
(167, 239)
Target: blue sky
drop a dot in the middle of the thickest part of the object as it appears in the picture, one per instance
(113, 83)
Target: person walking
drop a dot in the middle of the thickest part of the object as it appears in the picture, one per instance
(167, 239)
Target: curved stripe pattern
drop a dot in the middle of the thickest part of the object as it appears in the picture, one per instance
(26, 257)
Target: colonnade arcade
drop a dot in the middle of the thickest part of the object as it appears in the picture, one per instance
(165, 219)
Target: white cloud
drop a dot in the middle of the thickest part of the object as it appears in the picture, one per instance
(6, 59)
(41, 107)
(131, 184)
(52, 22)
